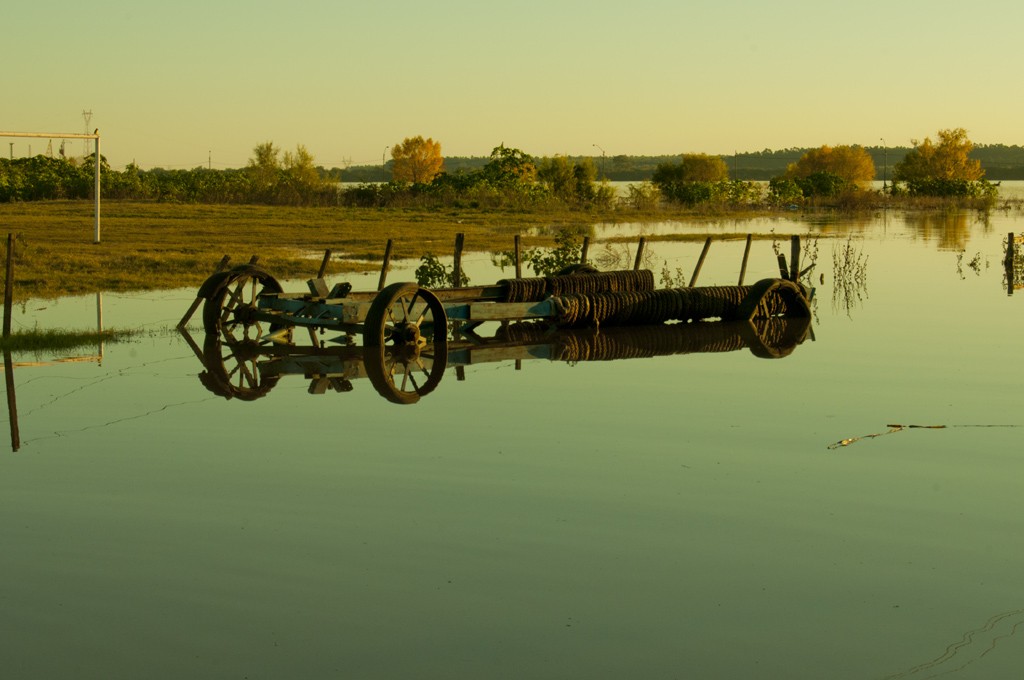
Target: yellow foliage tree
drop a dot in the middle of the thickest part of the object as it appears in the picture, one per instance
(851, 163)
(416, 160)
(947, 160)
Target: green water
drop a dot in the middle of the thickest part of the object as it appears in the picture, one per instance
(670, 517)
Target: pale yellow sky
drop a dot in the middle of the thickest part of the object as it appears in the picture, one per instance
(189, 83)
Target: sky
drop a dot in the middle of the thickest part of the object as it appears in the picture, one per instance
(190, 84)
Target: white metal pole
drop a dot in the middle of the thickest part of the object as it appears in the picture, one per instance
(96, 238)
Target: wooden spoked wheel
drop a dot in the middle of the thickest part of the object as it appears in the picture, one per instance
(231, 299)
(405, 341)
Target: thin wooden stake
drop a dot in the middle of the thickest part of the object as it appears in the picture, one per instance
(460, 240)
(585, 250)
(519, 257)
(1009, 250)
(221, 266)
(794, 258)
(384, 265)
(783, 269)
(323, 264)
(639, 253)
(746, 255)
(700, 262)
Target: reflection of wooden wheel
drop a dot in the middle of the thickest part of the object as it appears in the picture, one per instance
(774, 337)
(232, 369)
(403, 374)
(405, 340)
(231, 299)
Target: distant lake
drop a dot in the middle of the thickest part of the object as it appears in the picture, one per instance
(654, 505)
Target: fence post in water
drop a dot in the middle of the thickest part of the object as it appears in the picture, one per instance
(639, 253)
(794, 263)
(519, 257)
(700, 262)
(9, 286)
(743, 266)
(460, 240)
(384, 266)
(584, 250)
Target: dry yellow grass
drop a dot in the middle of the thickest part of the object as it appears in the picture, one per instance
(148, 246)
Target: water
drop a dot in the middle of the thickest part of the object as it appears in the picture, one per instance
(673, 516)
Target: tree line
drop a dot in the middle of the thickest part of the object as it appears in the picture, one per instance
(418, 175)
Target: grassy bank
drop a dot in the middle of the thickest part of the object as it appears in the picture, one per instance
(152, 246)
(156, 246)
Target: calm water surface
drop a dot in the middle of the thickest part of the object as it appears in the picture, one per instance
(678, 516)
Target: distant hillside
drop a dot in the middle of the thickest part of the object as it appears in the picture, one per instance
(999, 161)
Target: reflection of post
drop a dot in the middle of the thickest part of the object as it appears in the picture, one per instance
(99, 324)
(1009, 263)
(12, 406)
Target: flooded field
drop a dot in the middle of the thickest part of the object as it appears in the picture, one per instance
(674, 503)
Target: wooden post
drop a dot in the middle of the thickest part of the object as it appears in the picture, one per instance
(460, 240)
(221, 266)
(783, 269)
(323, 264)
(746, 255)
(9, 286)
(1009, 251)
(700, 262)
(794, 258)
(639, 253)
(519, 257)
(585, 250)
(384, 266)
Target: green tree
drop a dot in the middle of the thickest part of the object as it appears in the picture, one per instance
(263, 169)
(693, 167)
(416, 160)
(569, 180)
(697, 178)
(509, 167)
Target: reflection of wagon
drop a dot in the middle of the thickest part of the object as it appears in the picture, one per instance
(247, 370)
(408, 332)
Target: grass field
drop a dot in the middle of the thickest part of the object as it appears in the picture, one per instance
(152, 246)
